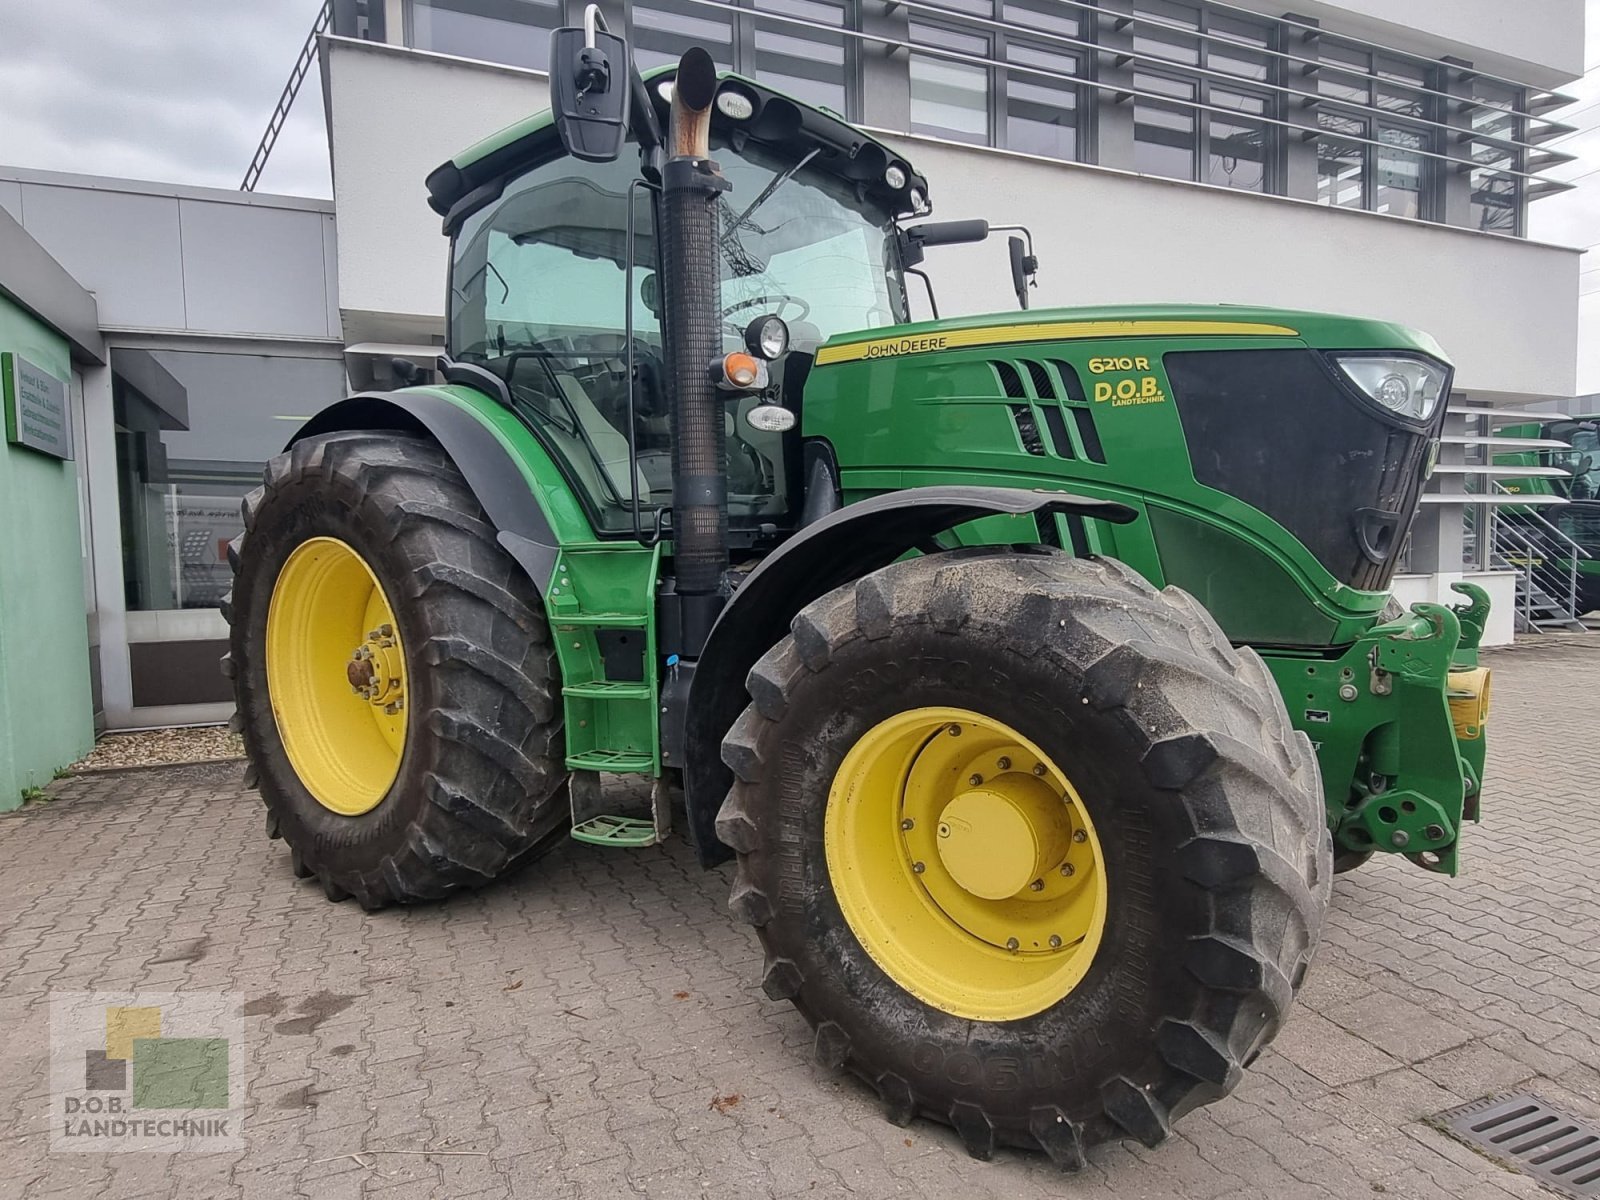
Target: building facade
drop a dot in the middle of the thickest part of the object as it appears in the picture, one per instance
(218, 318)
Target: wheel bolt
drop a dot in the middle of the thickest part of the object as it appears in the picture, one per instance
(1068, 869)
(908, 823)
(1013, 945)
(918, 868)
(1079, 836)
(1055, 941)
(1037, 885)
(975, 780)
(1038, 768)
(955, 731)
(1004, 764)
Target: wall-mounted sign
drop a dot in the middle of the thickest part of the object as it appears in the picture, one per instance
(36, 407)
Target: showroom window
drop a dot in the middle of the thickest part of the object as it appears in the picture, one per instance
(193, 430)
(1498, 198)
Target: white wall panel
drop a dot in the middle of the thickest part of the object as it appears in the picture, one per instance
(255, 270)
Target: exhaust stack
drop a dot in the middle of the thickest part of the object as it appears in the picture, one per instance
(691, 270)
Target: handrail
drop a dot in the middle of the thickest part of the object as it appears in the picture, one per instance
(1545, 524)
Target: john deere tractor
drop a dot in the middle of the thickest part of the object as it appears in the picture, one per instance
(1031, 665)
(1571, 472)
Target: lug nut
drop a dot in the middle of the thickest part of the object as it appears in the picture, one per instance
(1013, 945)
(975, 780)
(1068, 869)
(955, 731)
(918, 868)
(1055, 941)
(1037, 885)
(1038, 768)
(1079, 836)
(1004, 764)
(908, 823)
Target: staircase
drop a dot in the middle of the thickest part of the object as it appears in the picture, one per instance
(1546, 564)
(599, 606)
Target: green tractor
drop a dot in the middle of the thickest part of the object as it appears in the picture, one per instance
(1573, 474)
(1032, 665)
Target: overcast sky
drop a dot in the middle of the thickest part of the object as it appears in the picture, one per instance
(180, 90)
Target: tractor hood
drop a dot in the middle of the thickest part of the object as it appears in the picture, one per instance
(1319, 330)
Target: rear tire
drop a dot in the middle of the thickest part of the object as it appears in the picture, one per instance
(1206, 809)
(478, 784)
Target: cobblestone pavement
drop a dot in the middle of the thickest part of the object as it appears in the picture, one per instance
(594, 1026)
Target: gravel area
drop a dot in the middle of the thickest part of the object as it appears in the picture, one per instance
(161, 747)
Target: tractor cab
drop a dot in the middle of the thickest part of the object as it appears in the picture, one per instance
(556, 290)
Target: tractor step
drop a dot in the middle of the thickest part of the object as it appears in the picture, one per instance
(616, 831)
(611, 690)
(619, 761)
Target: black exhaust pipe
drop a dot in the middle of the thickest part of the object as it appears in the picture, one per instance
(691, 270)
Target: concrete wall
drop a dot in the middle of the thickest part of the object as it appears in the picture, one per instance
(172, 259)
(1534, 41)
(395, 115)
(1504, 309)
(46, 710)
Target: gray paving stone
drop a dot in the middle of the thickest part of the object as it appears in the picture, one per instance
(592, 1077)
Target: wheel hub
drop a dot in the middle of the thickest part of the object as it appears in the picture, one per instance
(376, 670)
(998, 902)
(340, 712)
(997, 839)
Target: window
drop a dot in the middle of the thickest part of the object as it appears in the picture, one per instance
(1194, 140)
(1374, 149)
(193, 431)
(949, 98)
(1497, 198)
(663, 29)
(506, 31)
(808, 63)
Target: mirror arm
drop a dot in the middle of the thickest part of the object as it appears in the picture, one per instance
(927, 283)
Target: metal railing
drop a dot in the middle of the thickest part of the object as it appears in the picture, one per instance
(1546, 564)
(297, 76)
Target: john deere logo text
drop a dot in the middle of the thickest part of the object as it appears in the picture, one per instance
(151, 1071)
(909, 345)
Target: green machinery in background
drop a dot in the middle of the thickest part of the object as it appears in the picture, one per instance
(1578, 521)
(1032, 665)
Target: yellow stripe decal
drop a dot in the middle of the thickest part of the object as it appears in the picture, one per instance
(994, 335)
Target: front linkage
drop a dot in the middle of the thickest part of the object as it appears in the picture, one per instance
(1400, 716)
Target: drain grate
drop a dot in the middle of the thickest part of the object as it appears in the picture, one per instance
(1527, 1134)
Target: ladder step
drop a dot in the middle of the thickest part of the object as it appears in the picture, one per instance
(619, 762)
(609, 690)
(615, 831)
(628, 620)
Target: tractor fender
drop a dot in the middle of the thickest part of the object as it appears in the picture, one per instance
(841, 547)
(490, 471)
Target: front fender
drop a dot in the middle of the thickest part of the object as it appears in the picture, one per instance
(841, 547)
(452, 417)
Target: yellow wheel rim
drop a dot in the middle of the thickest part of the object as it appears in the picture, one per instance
(337, 677)
(965, 864)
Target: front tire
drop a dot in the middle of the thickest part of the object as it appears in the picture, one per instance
(1170, 752)
(396, 685)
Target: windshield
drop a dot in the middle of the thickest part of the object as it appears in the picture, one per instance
(809, 249)
(540, 295)
(1583, 460)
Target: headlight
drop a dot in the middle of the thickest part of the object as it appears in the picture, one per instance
(895, 176)
(767, 336)
(735, 104)
(1409, 387)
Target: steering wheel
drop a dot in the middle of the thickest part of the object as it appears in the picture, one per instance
(756, 301)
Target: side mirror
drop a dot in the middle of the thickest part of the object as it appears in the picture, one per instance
(650, 293)
(1023, 267)
(589, 91)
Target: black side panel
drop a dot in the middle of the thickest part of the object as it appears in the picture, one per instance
(524, 530)
(1276, 429)
(840, 547)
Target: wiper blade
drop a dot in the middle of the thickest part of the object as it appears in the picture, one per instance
(766, 192)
